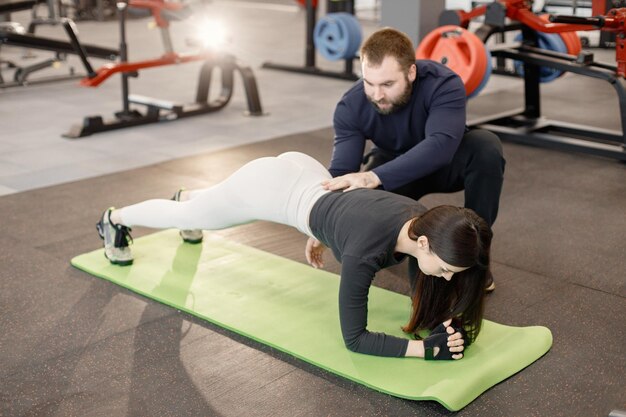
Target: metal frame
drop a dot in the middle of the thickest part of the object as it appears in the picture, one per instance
(309, 67)
(161, 110)
(527, 125)
(60, 48)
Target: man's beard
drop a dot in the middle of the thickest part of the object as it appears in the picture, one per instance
(396, 104)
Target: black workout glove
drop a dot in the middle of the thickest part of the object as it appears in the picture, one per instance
(439, 329)
(442, 329)
(439, 340)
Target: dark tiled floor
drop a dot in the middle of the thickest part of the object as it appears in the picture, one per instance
(75, 345)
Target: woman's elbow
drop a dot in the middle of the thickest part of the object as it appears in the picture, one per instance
(352, 343)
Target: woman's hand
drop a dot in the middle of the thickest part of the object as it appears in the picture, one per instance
(455, 340)
(314, 253)
(443, 343)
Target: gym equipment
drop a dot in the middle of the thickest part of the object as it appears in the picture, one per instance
(549, 42)
(302, 3)
(53, 18)
(458, 17)
(338, 36)
(486, 77)
(10, 6)
(293, 308)
(161, 110)
(564, 42)
(309, 55)
(572, 42)
(527, 125)
(13, 34)
(461, 51)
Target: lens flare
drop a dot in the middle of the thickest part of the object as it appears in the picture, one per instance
(212, 34)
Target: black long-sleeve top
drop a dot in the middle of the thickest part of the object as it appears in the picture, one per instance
(361, 227)
(423, 135)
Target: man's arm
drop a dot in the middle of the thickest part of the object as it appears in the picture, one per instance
(349, 142)
(347, 155)
(444, 130)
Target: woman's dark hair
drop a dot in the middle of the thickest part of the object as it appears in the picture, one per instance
(389, 42)
(460, 238)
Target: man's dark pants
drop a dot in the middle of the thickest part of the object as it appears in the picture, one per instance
(477, 168)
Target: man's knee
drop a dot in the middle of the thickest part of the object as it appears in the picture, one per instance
(486, 151)
(375, 158)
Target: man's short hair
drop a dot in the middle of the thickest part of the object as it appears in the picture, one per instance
(388, 42)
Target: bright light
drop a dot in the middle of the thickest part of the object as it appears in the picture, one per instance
(212, 34)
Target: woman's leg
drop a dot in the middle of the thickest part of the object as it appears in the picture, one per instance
(272, 189)
(306, 162)
(263, 189)
(303, 160)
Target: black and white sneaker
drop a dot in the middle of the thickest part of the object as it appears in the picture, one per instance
(116, 239)
(190, 236)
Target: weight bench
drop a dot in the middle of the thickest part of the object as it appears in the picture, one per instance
(12, 34)
(157, 110)
(54, 45)
(10, 6)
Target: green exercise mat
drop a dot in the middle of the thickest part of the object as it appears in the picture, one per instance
(293, 307)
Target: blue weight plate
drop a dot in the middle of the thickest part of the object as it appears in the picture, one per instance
(550, 42)
(486, 77)
(356, 34)
(330, 38)
(337, 36)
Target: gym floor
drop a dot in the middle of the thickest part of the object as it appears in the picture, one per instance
(73, 344)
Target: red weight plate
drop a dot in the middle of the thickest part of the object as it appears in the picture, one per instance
(303, 3)
(571, 39)
(458, 49)
(572, 42)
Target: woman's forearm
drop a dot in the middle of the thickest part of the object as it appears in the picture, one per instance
(415, 349)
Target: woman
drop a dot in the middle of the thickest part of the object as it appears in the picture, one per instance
(367, 230)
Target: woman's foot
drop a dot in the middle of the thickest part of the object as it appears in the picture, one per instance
(116, 239)
(189, 236)
(490, 285)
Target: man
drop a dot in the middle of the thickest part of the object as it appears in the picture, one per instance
(414, 113)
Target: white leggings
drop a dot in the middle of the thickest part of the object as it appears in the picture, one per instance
(279, 189)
